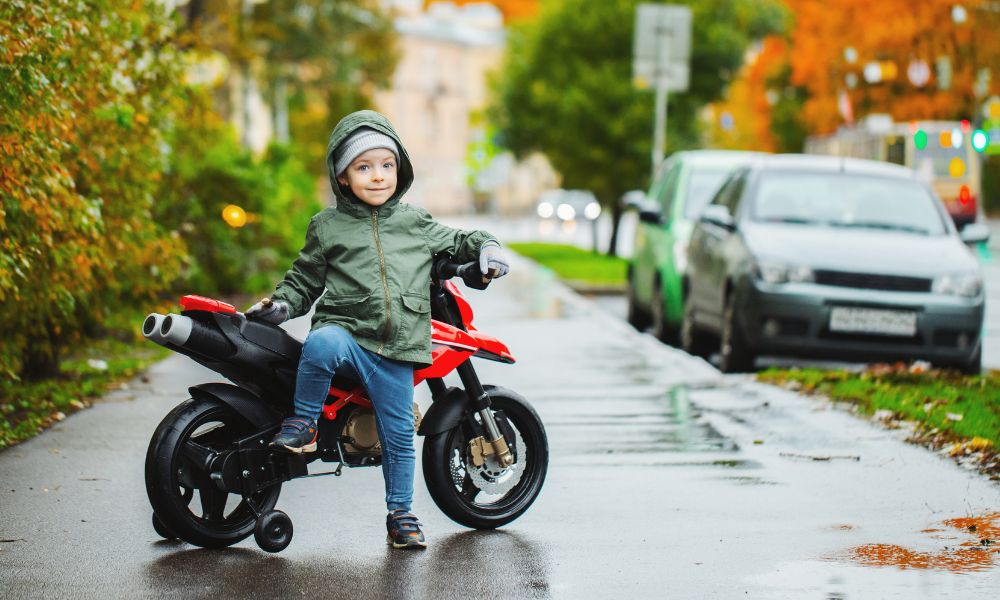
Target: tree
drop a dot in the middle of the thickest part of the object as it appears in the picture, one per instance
(893, 33)
(317, 60)
(88, 89)
(565, 88)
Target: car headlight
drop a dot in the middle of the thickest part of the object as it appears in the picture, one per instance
(680, 256)
(566, 212)
(775, 272)
(967, 285)
(592, 211)
(545, 210)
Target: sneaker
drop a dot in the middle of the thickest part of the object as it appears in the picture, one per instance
(298, 435)
(404, 530)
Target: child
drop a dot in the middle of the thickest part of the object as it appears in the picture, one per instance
(373, 256)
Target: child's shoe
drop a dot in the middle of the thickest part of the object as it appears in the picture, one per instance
(298, 435)
(404, 530)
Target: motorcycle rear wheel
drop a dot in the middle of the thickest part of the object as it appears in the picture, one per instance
(488, 497)
(182, 494)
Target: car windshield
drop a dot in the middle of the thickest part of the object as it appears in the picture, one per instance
(701, 186)
(847, 200)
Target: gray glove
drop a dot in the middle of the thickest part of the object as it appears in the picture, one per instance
(493, 258)
(271, 312)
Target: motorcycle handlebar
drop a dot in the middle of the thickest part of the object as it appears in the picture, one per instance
(445, 269)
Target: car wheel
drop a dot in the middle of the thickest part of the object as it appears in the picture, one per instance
(694, 341)
(664, 331)
(735, 355)
(635, 316)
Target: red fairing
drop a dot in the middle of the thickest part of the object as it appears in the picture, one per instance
(451, 347)
(488, 343)
(191, 302)
(464, 308)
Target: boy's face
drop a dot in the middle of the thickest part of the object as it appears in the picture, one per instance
(372, 176)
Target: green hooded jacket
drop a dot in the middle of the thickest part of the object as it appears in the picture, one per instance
(373, 262)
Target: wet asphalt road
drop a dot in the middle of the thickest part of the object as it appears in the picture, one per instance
(665, 481)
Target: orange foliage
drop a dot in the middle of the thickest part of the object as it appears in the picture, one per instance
(747, 101)
(513, 10)
(890, 30)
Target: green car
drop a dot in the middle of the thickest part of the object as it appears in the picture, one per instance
(683, 186)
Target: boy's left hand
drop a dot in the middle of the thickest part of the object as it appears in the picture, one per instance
(493, 258)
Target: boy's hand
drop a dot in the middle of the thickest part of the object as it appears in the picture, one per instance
(493, 260)
(266, 310)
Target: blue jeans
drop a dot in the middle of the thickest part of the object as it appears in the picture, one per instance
(390, 387)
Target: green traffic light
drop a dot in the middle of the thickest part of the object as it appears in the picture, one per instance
(980, 139)
(920, 139)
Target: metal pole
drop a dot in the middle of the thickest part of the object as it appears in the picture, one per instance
(659, 127)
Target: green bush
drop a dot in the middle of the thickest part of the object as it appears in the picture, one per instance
(87, 90)
(276, 192)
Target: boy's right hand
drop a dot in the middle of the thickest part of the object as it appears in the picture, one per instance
(266, 310)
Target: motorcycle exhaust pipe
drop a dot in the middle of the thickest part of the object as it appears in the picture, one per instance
(185, 332)
(151, 328)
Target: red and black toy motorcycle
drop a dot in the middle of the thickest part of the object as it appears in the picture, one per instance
(213, 480)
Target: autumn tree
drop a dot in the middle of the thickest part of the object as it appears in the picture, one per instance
(88, 89)
(566, 89)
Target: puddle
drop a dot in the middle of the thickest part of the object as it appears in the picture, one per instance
(975, 546)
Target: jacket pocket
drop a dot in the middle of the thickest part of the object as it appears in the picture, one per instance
(414, 322)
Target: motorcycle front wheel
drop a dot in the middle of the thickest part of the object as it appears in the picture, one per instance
(182, 493)
(488, 496)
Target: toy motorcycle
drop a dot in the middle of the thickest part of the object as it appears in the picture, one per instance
(212, 478)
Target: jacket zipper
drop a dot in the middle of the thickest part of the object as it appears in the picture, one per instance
(385, 283)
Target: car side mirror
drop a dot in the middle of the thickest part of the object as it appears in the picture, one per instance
(650, 213)
(718, 215)
(975, 233)
(632, 200)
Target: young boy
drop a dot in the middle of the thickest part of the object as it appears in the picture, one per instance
(372, 254)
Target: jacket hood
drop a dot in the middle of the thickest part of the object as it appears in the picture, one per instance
(376, 121)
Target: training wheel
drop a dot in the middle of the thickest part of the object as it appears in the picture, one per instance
(161, 529)
(273, 531)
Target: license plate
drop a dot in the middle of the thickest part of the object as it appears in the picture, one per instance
(873, 320)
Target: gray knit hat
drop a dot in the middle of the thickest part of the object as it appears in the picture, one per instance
(359, 142)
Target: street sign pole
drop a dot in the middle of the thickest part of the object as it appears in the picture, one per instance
(662, 47)
(659, 127)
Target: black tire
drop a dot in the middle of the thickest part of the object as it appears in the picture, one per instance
(694, 341)
(735, 354)
(273, 531)
(161, 529)
(172, 479)
(665, 332)
(458, 495)
(635, 316)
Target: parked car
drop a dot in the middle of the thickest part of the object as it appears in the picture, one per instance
(832, 257)
(683, 186)
(568, 205)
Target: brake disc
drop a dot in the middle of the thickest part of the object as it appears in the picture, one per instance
(494, 479)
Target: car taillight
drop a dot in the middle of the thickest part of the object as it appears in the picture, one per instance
(964, 196)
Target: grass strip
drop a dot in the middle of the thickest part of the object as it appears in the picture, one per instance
(961, 412)
(575, 264)
(97, 364)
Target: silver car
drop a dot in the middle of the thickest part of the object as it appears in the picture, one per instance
(832, 258)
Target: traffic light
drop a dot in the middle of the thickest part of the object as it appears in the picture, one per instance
(980, 140)
(920, 139)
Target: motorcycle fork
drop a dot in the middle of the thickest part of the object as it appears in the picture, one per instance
(492, 441)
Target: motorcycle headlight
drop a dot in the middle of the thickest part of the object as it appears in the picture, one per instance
(681, 256)
(775, 272)
(967, 285)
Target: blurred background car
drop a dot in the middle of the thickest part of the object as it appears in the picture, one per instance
(828, 257)
(684, 185)
(568, 205)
